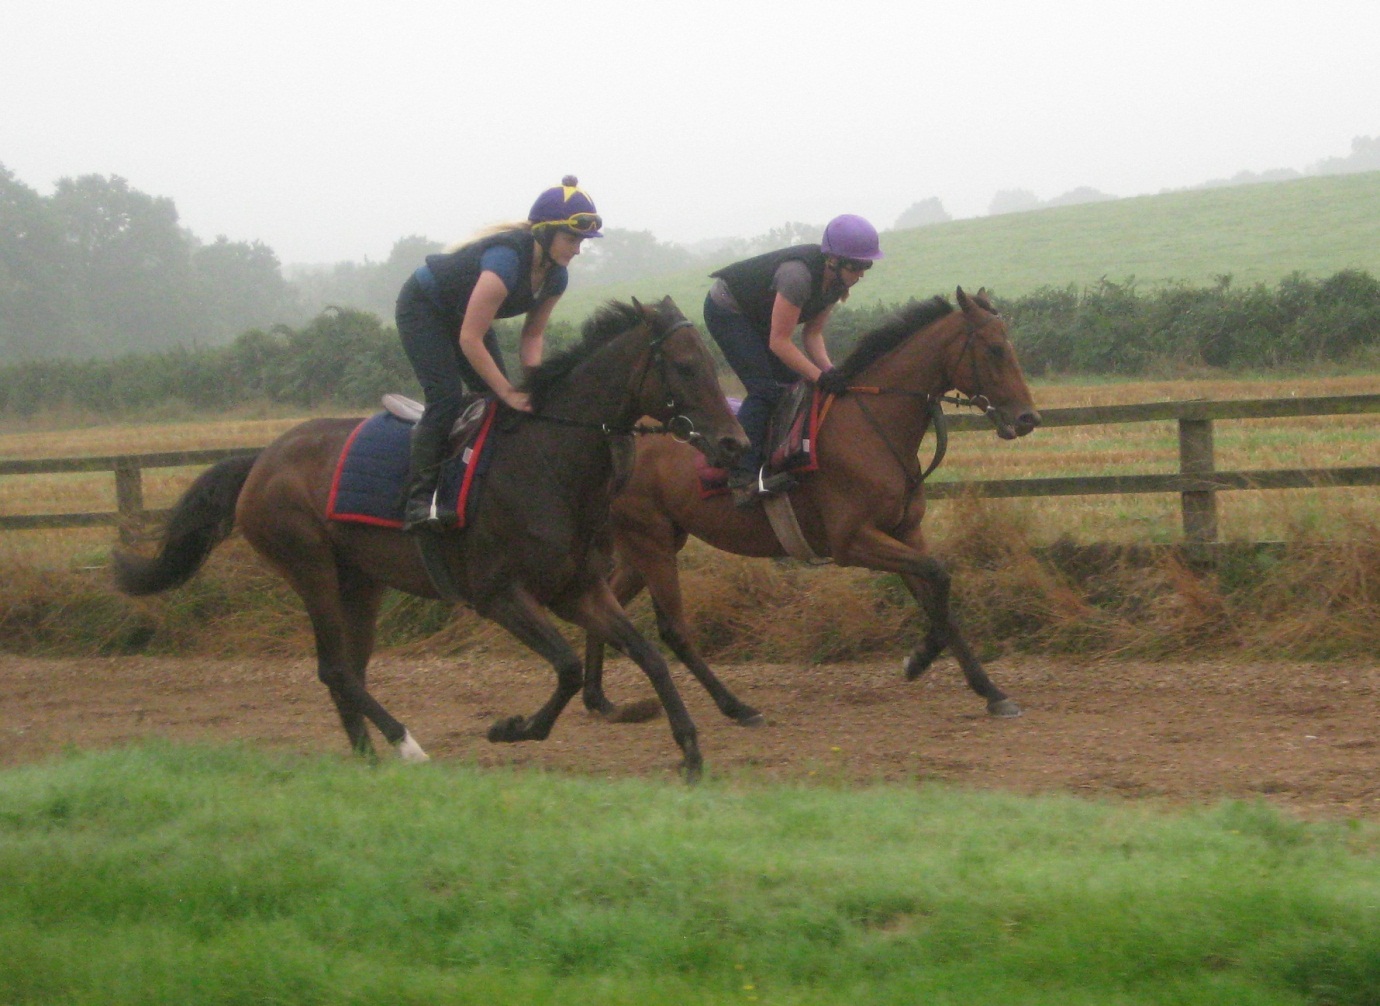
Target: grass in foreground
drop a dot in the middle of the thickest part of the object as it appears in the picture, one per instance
(174, 875)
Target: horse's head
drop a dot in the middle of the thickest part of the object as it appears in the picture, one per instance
(982, 364)
(681, 388)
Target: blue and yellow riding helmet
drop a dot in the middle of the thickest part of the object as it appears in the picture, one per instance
(566, 207)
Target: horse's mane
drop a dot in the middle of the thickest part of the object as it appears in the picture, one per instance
(611, 319)
(892, 332)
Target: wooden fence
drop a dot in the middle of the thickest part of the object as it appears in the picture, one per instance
(1197, 482)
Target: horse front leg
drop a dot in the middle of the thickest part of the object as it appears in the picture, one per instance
(519, 613)
(663, 583)
(929, 582)
(931, 592)
(626, 583)
(597, 611)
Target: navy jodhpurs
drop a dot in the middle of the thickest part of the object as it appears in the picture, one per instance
(764, 376)
(442, 369)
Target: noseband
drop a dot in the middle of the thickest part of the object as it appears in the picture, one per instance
(680, 427)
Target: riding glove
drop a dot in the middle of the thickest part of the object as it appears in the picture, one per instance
(832, 382)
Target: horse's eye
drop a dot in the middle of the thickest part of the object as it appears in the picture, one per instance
(685, 371)
(997, 352)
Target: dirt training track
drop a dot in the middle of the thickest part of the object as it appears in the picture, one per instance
(1301, 736)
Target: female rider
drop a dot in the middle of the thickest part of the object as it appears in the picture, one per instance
(445, 316)
(752, 311)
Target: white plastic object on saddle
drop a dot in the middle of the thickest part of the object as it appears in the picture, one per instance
(402, 407)
(410, 411)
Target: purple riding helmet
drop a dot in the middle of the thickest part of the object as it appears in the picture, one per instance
(851, 237)
(566, 207)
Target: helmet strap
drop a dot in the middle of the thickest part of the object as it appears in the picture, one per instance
(833, 264)
(543, 236)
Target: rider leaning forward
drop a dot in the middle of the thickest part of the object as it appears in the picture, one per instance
(753, 310)
(445, 316)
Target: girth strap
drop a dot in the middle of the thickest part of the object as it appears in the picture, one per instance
(431, 546)
(782, 517)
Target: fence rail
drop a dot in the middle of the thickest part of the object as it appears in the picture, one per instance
(1197, 482)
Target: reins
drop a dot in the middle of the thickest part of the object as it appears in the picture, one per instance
(934, 404)
(681, 427)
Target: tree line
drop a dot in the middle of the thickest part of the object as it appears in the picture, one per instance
(100, 269)
(348, 357)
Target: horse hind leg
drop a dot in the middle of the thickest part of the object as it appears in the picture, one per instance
(360, 599)
(930, 587)
(342, 607)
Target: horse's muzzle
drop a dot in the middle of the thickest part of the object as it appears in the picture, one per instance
(726, 451)
(721, 453)
(1020, 426)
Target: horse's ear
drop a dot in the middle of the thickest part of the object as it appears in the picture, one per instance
(638, 304)
(984, 300)
(970, 310)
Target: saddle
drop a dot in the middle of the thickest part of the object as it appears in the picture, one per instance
(792, 437)
(466, 425)
(371, 475)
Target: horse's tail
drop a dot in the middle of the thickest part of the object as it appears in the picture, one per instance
(201, 520)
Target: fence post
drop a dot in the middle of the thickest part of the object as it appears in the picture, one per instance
(1196, 458)
(129, 497)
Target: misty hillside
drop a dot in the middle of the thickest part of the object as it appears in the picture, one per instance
(1254, 233)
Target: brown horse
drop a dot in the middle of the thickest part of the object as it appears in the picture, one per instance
(864, 504)
(537, 538)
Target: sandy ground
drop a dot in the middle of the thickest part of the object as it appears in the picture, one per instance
(1301, 736)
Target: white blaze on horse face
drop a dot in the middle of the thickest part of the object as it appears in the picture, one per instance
(410, 750)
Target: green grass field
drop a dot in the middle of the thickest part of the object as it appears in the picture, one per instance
(175, 875)
(1255, 233)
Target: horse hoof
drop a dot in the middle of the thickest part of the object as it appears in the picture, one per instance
(605, 710)
(913, 667)
(1004, 708)
(409, 750)
(751, 718)
(507, 731)
(692, 771)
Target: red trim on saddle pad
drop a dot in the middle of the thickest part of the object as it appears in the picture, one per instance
(356, 518)
(476, 452)
(371, 473)
(714, 481)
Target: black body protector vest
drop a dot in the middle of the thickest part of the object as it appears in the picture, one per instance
(750, 283)
(457, 272)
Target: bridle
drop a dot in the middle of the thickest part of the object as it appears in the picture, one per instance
(680, 426)
(938, 422)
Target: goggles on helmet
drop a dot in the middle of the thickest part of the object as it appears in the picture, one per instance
(580, 223)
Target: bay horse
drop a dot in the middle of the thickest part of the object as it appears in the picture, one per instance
(537, 538)
(862, 507)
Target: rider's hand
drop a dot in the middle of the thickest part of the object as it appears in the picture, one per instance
(518, 400)
(832, 382)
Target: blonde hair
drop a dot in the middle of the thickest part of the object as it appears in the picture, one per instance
(489, 231)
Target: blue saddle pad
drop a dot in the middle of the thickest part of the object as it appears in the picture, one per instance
(371, 475)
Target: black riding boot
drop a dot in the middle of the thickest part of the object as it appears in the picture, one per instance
(742, 485)
(428, 451)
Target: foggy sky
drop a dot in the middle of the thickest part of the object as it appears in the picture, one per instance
(330, 130)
